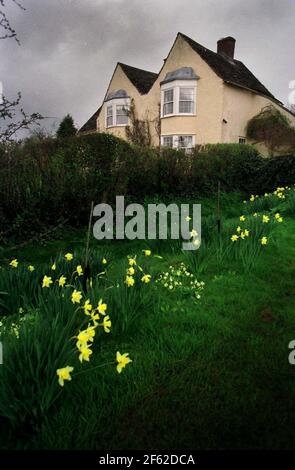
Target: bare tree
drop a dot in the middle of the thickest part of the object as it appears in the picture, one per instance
(13, 118)
(5, 25)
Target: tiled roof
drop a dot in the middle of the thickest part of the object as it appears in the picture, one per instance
(230, 70)
(141, 79)
(90, 125)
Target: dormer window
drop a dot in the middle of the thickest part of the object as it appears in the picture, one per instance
(178, 93)
(117, 108)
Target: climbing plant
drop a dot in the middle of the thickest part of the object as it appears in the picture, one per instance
(272, 128)
(138, 132)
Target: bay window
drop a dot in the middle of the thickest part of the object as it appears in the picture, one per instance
(168, 101)
(117, 108)
(178, 93)
(186, 100)
(181, 142)
(109, 116)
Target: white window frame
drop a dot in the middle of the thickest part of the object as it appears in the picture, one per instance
(175, 140)
(114, 103)
(242, 140)
(176, 85)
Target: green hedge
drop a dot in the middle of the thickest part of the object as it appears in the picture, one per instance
(49, 180)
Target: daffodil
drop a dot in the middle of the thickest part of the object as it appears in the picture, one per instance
(101, 307)
(234, 238)
(104, 261)
(146, 278)
(79, 270)
(188, 218)
(85, 353)
(255, 214)
(31, 268)
(62, 281)
(76, 297)
(131, 271)
(246, 232)
(265, 219)
(122, 360)
(130, 281)
(278, 217)
(87, 307)
(107, 324)
(132, 261)
(47, 281)
(264, 241)
(193, 233)
(64, 374)
(53, 267)
(239, 229)
(147, 252)
(242, 235)
(85, 336)
(13, 263)
(252, 198)
(242, 218)
(69, 256)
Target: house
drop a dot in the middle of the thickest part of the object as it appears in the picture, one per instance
(198, 97)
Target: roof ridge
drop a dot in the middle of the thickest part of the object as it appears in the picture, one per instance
(136, 68)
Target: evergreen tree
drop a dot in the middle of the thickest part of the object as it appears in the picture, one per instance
(66, 127)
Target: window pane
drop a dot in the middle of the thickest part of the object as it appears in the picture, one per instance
(185, 141)
(122, 115)
(186, 94)
(168, 141)
(109, 111)
(168, 95)
(186, 107)
(168, 108)
(109, 121)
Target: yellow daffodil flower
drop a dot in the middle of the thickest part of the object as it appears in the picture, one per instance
(53, 267)
(252, 198)
(188, 218)
(122, 360)
(278, 217)
(13, 263)
(264, 241)
(104, 261)
(64, 374)
(69, 256)
(239, 229)
(132, 261)
(146, 278)
(130, 281)
(46, 281)
(193, 233)
(76, 297)
(31, 268)
(107, 324)
(85, 353)
(79, 270)
(101, 307)
(87, 307)
(147, 252)
(234, 238)
(265, 219)
(62, 281)
(246, 233)
(131, 271)
(242, 218)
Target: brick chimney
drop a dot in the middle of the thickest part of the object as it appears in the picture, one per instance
(226, 46)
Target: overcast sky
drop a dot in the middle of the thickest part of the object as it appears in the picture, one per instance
(69, 48)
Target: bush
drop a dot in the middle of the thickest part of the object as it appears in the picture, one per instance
(52, 180)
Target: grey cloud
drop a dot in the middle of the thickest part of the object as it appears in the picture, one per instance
(69, 47)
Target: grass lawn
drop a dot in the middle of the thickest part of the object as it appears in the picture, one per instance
(206, 373)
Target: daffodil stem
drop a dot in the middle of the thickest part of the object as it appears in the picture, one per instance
(93, 368)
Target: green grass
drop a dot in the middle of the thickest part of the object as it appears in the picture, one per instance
(211, 373)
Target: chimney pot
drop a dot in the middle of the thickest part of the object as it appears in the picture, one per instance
(226, 46)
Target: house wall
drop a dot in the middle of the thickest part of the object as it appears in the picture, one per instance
(239, 106)
(206, 125)
(118, 81)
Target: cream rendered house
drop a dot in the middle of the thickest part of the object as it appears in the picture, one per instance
(198, 97)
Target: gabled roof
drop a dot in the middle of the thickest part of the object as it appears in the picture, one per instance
(90, 125)
(143, 80)
(230, 70)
